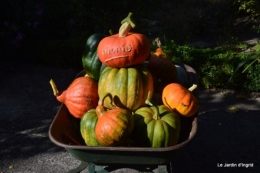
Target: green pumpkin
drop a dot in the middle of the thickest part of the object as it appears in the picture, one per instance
(130, 84)
(87, 128)
(156, 126)
(90, 60)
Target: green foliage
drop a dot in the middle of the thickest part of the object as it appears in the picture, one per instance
(253, 80)
(249, 64)
(251, 7)
(216, 65)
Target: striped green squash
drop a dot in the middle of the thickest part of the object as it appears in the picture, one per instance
(87, 128)
(130, 84)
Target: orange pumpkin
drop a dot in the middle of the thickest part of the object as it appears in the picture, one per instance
(162, 68)
(80, 96)
(125, 48)
(159, 52)
(113, 125)
(181, 100)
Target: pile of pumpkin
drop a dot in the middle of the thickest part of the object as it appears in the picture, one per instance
(128, 97)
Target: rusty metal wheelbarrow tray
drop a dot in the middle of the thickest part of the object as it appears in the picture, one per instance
(64, 132)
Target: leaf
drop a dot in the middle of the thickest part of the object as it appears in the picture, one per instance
(250, 64)
(232, 109)
(251, 59)
(257, 47)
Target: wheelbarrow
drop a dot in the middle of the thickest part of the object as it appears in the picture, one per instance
(64, 132)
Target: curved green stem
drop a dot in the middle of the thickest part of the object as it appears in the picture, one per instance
(127, 25)
(111, 32)
(54, 88)
(149, 102)
(100, 109)
(101, 102)
(119, 104)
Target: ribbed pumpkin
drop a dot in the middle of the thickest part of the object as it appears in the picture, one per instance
(87, 128)
(178, 98)
(113, 125)
(79, 97)
(125, 48)
(156, 126)
(130, 84)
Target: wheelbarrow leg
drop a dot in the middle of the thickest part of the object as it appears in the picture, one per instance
(162, 168)
(81, 167)
(92, 168)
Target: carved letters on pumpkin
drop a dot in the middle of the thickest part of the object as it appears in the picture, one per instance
(114, 50)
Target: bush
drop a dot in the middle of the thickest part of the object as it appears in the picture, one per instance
(215, 66)
(253, 81)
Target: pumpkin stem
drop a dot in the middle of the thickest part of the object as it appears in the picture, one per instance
(158, 42)
(126, 25)
(101, 102)
(149, 102)
(193, 87)
(119, 104)
(100, 109)
(54, 88)
(111, 32)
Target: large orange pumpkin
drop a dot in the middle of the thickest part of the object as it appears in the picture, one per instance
(125, 48)
(181, 100)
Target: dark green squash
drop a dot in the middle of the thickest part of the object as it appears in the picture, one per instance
(156, 126)
(90, 60)
(87, 128)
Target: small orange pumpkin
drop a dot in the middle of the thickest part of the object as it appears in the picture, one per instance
(80, 96)
(159, 52)
(125, 48)
(181, 100)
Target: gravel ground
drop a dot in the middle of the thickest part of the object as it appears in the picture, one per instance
(28, 108)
